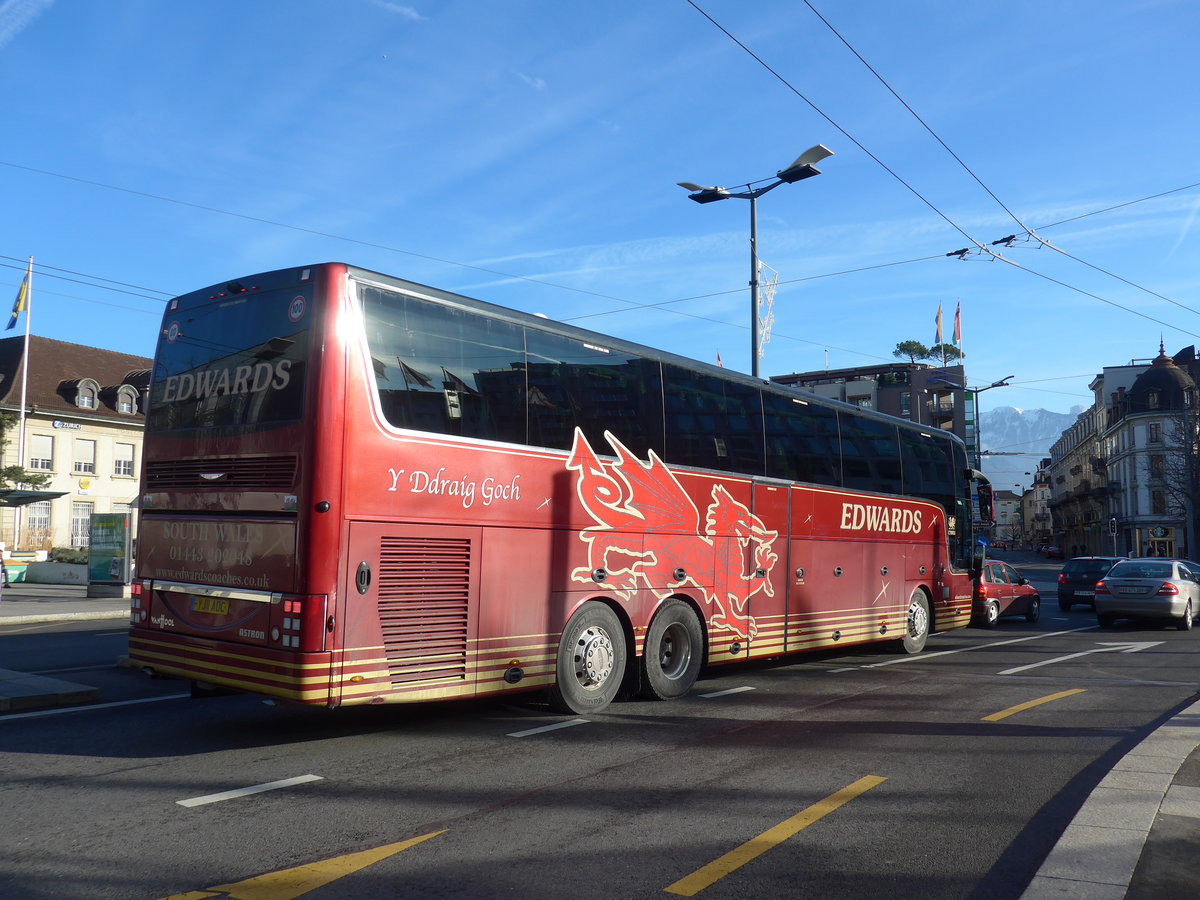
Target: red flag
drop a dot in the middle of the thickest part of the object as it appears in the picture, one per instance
(719, 363)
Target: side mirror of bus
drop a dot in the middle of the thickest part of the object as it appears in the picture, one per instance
(978, 555)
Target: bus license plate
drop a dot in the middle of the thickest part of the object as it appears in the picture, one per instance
(218, 606)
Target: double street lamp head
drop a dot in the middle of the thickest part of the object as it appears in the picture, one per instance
(803, 167)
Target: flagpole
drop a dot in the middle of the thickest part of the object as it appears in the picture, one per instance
(24, 391)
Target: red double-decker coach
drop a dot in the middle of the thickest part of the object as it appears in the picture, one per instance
(358, 489)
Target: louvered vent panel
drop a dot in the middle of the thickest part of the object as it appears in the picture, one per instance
(255, 473)
(424, 593)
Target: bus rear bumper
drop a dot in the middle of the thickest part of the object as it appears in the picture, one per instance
(287, 677)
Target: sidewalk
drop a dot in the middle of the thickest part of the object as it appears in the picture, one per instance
(23, 603)
(30, 604)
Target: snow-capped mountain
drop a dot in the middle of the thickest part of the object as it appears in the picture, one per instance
(1025, 433)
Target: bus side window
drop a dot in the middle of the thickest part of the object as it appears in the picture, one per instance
(801, 440)
(596, 389)
(445, 370)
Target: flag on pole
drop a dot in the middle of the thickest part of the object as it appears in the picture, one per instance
(958, 323)
(22, 301)
(937, 339)
(720, 364)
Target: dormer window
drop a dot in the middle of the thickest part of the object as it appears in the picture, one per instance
(126, 400)
(1152, 400)
(87, 394)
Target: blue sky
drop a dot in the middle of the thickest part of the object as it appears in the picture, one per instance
(527, 153)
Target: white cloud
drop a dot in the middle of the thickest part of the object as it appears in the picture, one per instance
(538, 84)
(406, 11)
(16, 14)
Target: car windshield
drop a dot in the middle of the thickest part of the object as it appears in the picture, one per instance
(1143, 569)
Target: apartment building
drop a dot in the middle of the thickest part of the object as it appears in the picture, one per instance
(84, 415)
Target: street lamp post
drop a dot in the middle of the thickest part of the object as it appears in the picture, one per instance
(975, 392)
(803, 167)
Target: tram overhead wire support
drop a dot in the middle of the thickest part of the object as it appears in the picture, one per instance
(804, 166)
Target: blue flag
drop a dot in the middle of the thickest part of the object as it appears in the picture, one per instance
(22, 301)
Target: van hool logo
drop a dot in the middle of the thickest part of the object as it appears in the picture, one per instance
(162, 621)
(648, 529)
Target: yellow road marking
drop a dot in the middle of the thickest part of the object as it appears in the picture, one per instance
(1021, 707)
(33, 627)
(690, 885)
(288, 884)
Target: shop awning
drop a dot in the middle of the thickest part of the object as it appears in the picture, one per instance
(14, 497)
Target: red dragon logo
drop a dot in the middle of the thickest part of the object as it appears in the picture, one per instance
(648, 533)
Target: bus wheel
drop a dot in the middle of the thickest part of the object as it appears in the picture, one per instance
(591, 661)
(674, 652)
(917, 627)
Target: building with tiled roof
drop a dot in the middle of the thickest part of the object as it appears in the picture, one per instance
(84, 415)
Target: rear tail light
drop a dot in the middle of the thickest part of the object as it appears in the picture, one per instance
(139, 601)
(298, 622)
(1101, 587)
(1168, 589)
(1062, 578)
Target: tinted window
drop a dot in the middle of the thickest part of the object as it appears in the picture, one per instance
(445, 370)
(712, 423)
(232, 361)
(573, 384)
(801, 440)
(928, 466)
(870, 455)
(1137, 569)
(1087, 568)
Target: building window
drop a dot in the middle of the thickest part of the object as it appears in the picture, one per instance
(1155, 432)
(38, 521)
(41, 452)
(905, 403)
(1158, 503)
(81, 524)
(123, 460)
(1157, 466)
(126, 400)
(1152, 400)
(85, 457)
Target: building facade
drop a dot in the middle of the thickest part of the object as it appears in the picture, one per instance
(84, 415)
(1142, 443)
(1110, 473)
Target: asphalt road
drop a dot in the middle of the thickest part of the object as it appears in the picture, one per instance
(858, 774)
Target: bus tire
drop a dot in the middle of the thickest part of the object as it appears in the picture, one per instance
(916, 625)
(591, 661)
(674, 652)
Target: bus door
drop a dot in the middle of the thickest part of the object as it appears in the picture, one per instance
(411, 602)
(767, 562)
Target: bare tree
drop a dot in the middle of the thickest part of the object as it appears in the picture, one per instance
(1180, 471)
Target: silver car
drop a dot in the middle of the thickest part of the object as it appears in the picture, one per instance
(1150, 588)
